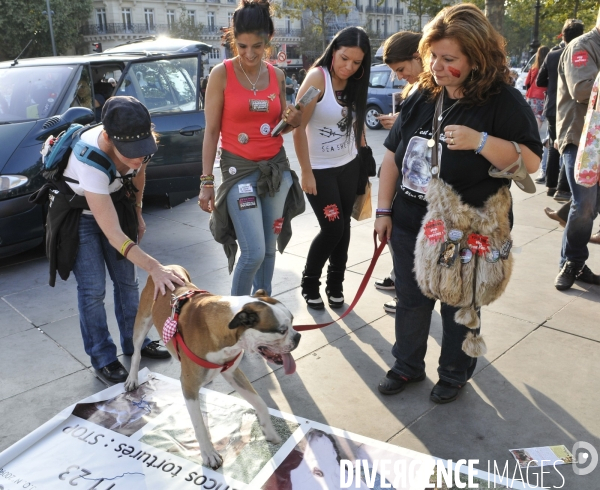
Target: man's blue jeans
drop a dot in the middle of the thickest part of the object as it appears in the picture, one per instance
(256, 223)
(94, 256)
(413, 309)
(585, 203)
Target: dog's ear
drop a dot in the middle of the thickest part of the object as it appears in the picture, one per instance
(244, 318)
(260, 293)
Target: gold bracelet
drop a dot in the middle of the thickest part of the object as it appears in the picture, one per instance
(139, 205)
(124, 246)
(129, 247)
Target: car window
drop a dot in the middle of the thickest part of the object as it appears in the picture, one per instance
(161, 85)
(379, 79)
(82, 96)
(31, 92)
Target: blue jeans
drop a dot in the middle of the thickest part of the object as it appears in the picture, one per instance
(413, 309)
(94, 256)
(257, 229)
(585, 204)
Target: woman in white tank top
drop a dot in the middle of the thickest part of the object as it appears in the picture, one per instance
(326, 144)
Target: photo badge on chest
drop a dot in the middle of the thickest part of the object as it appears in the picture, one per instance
(259, 105)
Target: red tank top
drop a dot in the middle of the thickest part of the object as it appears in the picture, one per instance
(251, 118)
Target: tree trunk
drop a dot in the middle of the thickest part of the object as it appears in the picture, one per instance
(494, 11)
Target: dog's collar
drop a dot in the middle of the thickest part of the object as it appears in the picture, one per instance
(171, 332)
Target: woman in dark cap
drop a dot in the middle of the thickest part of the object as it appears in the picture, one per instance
(98, 212)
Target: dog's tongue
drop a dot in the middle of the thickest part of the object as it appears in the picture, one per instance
(289, 365)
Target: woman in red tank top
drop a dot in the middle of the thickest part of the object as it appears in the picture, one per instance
(245, 100)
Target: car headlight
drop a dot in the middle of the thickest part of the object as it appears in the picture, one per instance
(9, 182)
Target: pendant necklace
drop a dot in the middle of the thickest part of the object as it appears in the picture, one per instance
(440, 118)
(248, 78)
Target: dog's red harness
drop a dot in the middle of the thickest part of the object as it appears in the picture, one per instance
(171, 332)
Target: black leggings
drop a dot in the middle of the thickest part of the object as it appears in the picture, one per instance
(336, 192)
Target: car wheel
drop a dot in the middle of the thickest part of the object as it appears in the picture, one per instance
(370, 119)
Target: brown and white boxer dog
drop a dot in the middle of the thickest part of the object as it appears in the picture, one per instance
(217, 329)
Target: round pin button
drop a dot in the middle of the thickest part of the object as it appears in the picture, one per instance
(232, 170)
(492, 256)
(466, 255)
(434, 170)
(243, 138)
(455, 235)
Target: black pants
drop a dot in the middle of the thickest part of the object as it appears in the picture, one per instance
(553, 162)
(336, 192)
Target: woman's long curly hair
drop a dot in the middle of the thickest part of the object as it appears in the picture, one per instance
(478, 41)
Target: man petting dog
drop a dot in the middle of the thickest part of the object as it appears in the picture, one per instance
(208, 334)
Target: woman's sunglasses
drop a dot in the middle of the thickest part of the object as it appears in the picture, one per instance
(147, 158)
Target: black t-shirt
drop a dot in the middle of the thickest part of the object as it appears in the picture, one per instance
(505, 115)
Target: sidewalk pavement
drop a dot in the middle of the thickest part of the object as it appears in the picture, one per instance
(536, 386)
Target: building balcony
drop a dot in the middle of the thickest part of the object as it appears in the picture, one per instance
(399, 11)
(120, 28)
(288, 33)
(376, 9)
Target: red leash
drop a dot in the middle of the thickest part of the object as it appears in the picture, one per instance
(361, 289)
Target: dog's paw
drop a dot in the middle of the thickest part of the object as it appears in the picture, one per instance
(271, 436)
(131, 383)
(211, 458)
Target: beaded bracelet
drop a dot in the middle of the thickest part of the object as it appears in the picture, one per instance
(207, 177)
(383, 215)
(209, 186)
(125, 244)
(129, 247)
(384, 210)
(482, 142)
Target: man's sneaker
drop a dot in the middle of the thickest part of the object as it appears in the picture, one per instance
(541, 179)
(586, 275)
(390, 306)
(386, 283)
(562, 196)
(550, 191)
(154, 351)
(394, 383)
(566, 277)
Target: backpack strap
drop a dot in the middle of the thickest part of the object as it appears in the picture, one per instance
(95, 157)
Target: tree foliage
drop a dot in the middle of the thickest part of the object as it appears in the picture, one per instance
(520, 15)
(185, 27)
(422, 8)
(21, 19)
(317, 14)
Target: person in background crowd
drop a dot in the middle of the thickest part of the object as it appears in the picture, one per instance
(327, 144)
(260, 194)
(301, 76)
(535, 95)
(112, 81)
(289, 88)
(548, 77)
(465, 64)
(577, 69)
(110, 228)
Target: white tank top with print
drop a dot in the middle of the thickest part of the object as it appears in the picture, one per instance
(328, 145)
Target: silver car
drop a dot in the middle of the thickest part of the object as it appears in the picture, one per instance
(382, 85)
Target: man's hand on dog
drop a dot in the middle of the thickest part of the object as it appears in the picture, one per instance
(164, 278)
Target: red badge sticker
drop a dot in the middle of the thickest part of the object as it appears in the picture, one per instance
(277, 226)
(479, 244)
(331, 212)
(434, 230)
(580, 58)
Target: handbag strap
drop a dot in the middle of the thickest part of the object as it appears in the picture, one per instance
(435, 161)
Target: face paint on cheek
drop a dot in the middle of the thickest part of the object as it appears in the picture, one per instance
(454, 72)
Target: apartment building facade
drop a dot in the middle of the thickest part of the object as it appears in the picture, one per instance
(115, 22)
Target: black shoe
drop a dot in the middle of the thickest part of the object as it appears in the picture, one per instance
(562, 196)
(386, 283)
(394, 383)
(335, 298)
(155, 351)
(586, 275)
(390, 306)
(310, 291)
(550, 191)
(444, 392)
(314, 302)
(566, 276)
(540, 180)
(114, 372)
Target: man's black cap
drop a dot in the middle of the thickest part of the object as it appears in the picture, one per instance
(127, 121)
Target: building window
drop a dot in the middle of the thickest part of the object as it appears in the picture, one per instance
(215, 54)
(171, 18)
(377, 29)
(398, 26)
(101, 20)
(149, 17)
(126, 14)
(211, 21)
(230, 19)
(385, 28)
(192, 17)
(288, 25)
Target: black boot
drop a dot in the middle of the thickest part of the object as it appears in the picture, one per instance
(335, 288)
(310, 291)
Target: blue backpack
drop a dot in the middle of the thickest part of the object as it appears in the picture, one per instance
(57, 150)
